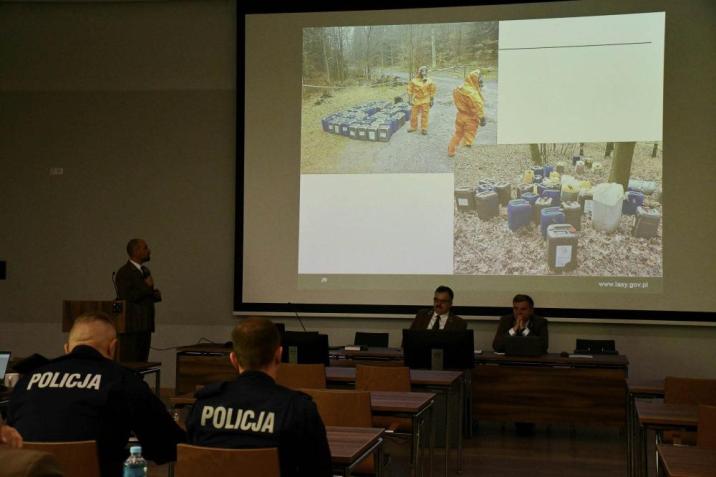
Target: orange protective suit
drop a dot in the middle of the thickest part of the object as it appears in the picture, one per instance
(470, 110)
(421, 91)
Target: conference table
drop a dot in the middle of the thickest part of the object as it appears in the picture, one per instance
(551, 388)
(684, 461)
(351, 445)
(638, 389)
(205, 363)
(656, 415)
(444, 382)
(418, 406)
(548, 389)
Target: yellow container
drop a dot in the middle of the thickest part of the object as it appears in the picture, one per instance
(528, 177)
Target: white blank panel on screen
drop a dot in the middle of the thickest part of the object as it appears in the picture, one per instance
(587, 79)
(376, 223)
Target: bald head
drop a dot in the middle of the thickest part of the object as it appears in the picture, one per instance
(93, 329)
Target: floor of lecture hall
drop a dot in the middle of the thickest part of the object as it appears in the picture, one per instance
(495, 451)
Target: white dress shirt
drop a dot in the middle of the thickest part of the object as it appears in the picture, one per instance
(443, 320)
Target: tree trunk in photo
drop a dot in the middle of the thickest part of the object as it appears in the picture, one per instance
(535, 154)
(655, 150)
(432, 47)
(368, 31)
(325, 56)
(581, 148)
(609, 149)
(340, 72)
(411, 55)
(621, 165)
(458, 50)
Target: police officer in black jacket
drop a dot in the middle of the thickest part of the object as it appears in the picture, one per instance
(254, 411)
(84, 395)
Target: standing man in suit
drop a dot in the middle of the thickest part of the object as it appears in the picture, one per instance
(439, 317)
(135, 284)
(522, 322)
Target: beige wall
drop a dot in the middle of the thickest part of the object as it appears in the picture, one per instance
(136, 102)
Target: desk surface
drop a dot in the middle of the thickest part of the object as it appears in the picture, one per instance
(205, 348)
(652, 386)
(658, 413)
(422, 377)
(380, 401)
(687, 461)
(349, 443)
(554, 359)
(142, 367)
(368, 354)
(389, 401)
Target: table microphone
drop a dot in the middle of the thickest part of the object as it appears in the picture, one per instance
(295, 312)
(116, 290)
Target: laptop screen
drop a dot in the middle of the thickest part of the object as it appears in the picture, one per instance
(4, 360)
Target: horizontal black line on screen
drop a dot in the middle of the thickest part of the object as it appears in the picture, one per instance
(577, 46)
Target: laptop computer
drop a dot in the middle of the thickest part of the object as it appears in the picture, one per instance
(523, 346)
(4, 361)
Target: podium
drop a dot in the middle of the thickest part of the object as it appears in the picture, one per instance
(116, 309)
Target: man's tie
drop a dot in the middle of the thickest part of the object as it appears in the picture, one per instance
(145, 272)
(436, 325)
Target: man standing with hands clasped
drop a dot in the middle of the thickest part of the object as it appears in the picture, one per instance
(522, 322)
(136, 285)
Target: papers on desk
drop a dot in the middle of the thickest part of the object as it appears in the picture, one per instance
(353, 348)
(588, 356)
(499, 354)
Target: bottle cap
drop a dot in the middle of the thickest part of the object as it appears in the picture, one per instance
(135, 450)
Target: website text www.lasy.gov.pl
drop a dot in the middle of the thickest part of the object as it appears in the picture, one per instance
(620, 284)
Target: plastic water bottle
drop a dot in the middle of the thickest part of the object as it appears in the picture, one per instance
(135, 465)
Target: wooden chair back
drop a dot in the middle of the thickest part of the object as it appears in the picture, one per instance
(689, 391)
(75, 458)
(345, 408)
(706, 435)
(382, 378)
(198, 460)
(300, 376)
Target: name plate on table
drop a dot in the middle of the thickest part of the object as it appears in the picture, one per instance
(436, 359)
(293, 354)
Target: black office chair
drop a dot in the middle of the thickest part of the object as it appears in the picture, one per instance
(595, 347)
(372, 340)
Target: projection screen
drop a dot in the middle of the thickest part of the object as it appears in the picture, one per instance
(493, 149)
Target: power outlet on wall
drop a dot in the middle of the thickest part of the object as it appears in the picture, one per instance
(56, 171)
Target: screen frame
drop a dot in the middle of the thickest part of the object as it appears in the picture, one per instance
(243, 308)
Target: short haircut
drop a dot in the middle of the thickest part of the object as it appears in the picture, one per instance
(132, 245)
(523, 298)
(255, 342)
(444, 289)
(92, 316)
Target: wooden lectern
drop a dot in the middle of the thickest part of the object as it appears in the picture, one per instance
(116, 309)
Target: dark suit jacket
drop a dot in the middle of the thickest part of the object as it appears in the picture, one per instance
(139, 296)
(27, 463)
(423, 317)
(537, 326)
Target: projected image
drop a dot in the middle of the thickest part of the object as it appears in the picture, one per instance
(397, 98)
(590, 209)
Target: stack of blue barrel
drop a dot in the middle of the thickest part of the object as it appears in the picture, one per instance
(371, 121)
